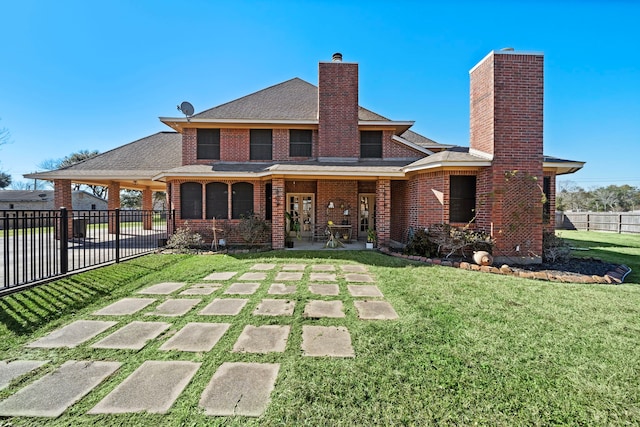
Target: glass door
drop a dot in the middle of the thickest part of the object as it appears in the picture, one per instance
(300, 207)
(366, 214)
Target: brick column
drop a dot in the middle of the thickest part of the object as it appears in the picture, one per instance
(383, 211)
(62, 199)
(147, 206)
(278, 204)
(113, 202)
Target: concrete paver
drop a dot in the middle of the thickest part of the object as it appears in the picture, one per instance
(224, 307)
(364, 291)
(323, 267)
(324, 289)
(201, 289)
(221, 275)
(285, 276)
(124, 306)
(240, 389)
(275, 307)
(133, 336)
(153, 387)
(322, 277)
(375, 310)
(281, 289)
(73, 334)
(17, 368)
(174, 307)
(293, 267)
(262, 339)
(262, 267)
(196, 337)
(52, 394)
(242, 288)
(162, 288)
(350, 268)
(357, 277)
(318, 341)
(252, 275)
(319, 309)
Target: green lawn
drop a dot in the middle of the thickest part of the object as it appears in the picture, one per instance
(469, 348)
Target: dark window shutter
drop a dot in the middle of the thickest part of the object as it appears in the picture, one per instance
(260, 144)
(209, 144)
(462, 198)
(217, 200)
(191, 200)
(371, 144)
(300, 142)
(242, 200)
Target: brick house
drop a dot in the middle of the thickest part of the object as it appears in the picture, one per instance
(314, 152)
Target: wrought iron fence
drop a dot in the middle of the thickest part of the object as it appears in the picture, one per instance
(40, 245)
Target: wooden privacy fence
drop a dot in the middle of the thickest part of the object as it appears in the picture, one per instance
(617, 222)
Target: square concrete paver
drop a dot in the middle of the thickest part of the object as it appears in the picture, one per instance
(294, 267)
(324, 289)
(201, 289)
(73, 334)
(364, 291)
(281, 289)
(174, 307)
(52, 394)
(262, 339)
(323, 267)
(153, 388)
(376, 310)
(356, 277)
(262, 267)
(242, 289)
(162, 288)
(12, 370)
(221, 275)
(252, 275)
(240, 389)
(329, 341)
(322, 277)
(133, 336)
(196, 337)
(275, 307)
(288, 276)
(124, 306)
(318, 309)
(224, 307)
(354, 268)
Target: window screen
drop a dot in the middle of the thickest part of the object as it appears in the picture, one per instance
(191, 200)
(300, 142)
(260, 144)
(242, 200)
(217, 200)
(209, 144)
(371, 144)
(462, 198)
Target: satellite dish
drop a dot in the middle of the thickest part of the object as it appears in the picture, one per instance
(186, 108)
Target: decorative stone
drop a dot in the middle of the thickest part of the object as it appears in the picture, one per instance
(17, 368)
(319, 309)
(263, 267)
(253, 276)
(465, 266)
(288, 276)
(375, 310)
(220, 275)
(174, 307)
(133, 336)
(242, 289)
(124, 306)
(324, 289)
(275, 307)
(162, 288)
(281, 289)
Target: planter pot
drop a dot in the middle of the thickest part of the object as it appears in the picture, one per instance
(222, 242)
(482, 258)
(369, 245)
(289, 243)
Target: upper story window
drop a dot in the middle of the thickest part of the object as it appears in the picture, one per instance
(260, 144)
(208, 144)
(546, 207)
(371, 144)
(217, 200)
(462, 198)
(191, 200)
(300, 142)
(242, 201)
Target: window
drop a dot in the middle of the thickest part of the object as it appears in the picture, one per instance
(217, 200)
(242, 202)
(11, 206)
(208, 144)
(268, 188)
(260, 144)
(300, 143)
(191, 200)
(93, 206)
(462, 198)
(371, 144)
(546, 207)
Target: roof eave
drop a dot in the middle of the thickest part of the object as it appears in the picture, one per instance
(447, 164)
(563, 168)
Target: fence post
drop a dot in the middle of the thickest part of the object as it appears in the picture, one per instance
(117, 225)
(5, 227)
(588, 221)
(620, 224)
(64, 241)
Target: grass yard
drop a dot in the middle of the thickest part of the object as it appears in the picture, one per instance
(469, 348)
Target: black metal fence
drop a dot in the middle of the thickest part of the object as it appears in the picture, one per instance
(40, 245)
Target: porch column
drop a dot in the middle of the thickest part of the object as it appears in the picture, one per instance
(277, 210)
(383, 211)
(113, 202)
(147, 207)
(62, 198)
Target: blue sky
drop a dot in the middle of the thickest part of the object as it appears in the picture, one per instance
(95, 75)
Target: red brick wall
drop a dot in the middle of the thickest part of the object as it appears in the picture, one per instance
(399, 210)
(507, 121)
(278, 206)
(62, 198)
(366, 186)
(300, 186)
(338, 110)
(338, 192)
(394, 149)
(383, 211)
(234, 145)
(551, 226)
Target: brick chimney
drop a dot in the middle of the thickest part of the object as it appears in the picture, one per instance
(338, 136)
(506, 123)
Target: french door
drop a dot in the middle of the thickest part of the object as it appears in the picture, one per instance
(366, 214)
(301, 208)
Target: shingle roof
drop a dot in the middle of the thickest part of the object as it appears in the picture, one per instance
(33, 195)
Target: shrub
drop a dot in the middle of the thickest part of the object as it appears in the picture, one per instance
(554, 249)
(184, 240)
(420, 244)
(450, 239)
(253, 229)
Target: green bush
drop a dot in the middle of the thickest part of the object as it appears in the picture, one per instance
(420, 244)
